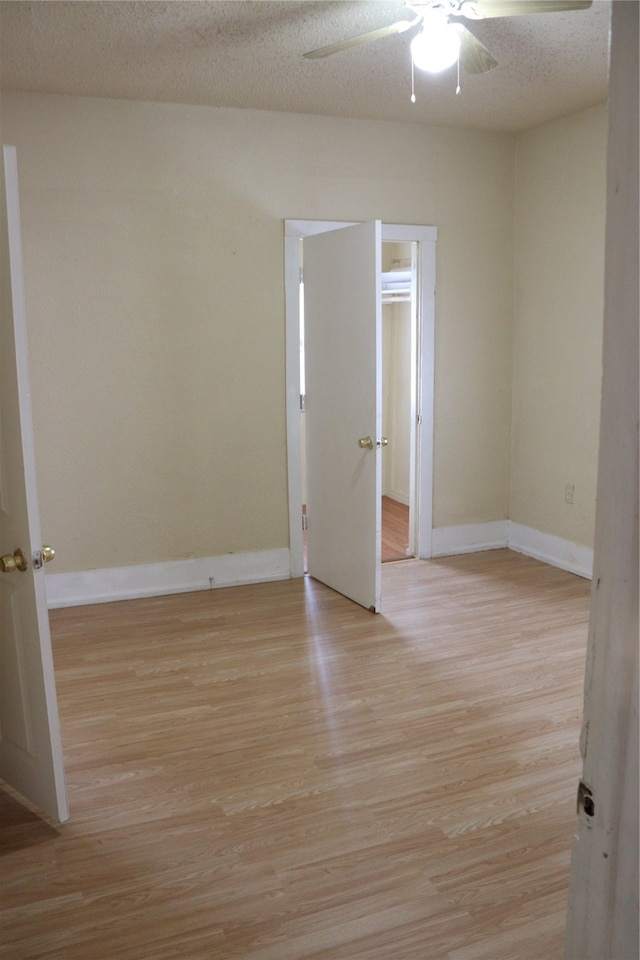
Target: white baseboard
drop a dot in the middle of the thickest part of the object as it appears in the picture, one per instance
(233, 569)
(470, 538)
(159, 579)
(573, 557)
(474, 537)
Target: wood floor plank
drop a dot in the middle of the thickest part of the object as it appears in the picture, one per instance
(395, 530)
(272, 773)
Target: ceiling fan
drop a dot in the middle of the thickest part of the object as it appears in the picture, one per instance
(441, 39)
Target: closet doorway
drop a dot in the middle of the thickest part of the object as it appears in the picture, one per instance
(405, 301)
(399, 400)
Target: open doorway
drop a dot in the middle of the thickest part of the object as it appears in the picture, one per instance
(399, 400)
(411, 246)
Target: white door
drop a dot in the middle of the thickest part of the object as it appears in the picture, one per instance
(343, 409)
(30, 745)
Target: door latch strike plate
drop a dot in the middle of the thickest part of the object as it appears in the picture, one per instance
(585, 799)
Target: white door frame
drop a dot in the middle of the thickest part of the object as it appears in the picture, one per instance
(602, 916)
(425, 237)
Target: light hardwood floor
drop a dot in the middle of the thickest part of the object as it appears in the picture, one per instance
(272, 773)
(395, 530)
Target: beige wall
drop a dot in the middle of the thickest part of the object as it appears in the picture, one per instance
(396, 381)
(396, 400)
(154, 280)
(558, 309)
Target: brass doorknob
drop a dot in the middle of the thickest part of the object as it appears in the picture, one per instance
(14, 561)
(368, 442)
(40, 557)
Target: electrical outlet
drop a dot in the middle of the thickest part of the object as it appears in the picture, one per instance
(568, 492)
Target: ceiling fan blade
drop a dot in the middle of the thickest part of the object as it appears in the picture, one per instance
(474, 56)
(483, 9)
(398, 27)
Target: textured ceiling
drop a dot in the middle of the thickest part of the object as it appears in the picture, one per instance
(248, 53)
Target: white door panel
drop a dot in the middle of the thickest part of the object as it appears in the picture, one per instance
(343, 348)
(30, 745)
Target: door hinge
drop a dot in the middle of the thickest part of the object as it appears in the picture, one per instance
(305, 522)
(303, 401)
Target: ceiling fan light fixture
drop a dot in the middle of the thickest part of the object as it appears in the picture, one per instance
(436, 47)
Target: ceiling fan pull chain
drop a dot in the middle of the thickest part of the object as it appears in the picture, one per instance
(458, 87)
(413, 82)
